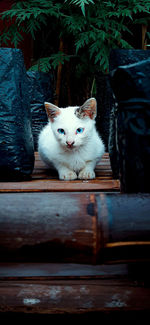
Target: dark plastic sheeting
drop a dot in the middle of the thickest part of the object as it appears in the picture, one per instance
(40, 90)
(104, 102)
(16, 140)
(131, 86)
(120, 57)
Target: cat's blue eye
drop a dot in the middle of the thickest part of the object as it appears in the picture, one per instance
(61, 131)
(79, 130)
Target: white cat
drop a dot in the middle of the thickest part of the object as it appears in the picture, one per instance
(70, 141)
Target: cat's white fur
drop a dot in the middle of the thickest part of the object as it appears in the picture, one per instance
(73, 155)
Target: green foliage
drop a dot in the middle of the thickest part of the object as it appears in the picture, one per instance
(81, 4)
(45, 64)
(94, 26)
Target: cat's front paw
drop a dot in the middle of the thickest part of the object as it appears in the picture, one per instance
(86, 173)
(67, 175)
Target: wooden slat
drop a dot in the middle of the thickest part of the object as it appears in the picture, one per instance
(46, 180)
(69, 289)
(42, 171)
(56, 186)
(72, 296)
(55, 271)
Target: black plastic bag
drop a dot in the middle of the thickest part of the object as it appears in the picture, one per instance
(40, 85)
(16, 141)
(131, 86)
(118, 58)
(104, 103)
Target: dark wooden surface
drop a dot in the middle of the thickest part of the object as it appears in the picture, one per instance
(45, 180)
(72, 296)
(31, 291)
(74, 227)
(70, 289)
(60, 271)
(96, 292)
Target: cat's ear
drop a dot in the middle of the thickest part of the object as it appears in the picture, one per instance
(88, 109)
(52, 111)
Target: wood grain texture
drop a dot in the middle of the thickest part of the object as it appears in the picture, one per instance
(72, 222)
(46, 180)
(72, 296)
(60, 271)
(74, 227)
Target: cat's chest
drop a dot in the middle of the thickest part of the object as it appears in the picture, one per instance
(75, 161)
(78, 163)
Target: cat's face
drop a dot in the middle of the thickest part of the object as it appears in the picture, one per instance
(69, 130)
(72, 126)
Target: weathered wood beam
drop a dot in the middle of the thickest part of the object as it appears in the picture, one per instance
(74, 227)
(72, 297)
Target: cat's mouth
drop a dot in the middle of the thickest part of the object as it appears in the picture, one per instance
(70, 145)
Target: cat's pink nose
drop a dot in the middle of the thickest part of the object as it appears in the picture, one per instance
(70, 143)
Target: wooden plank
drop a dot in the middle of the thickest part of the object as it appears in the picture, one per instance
(55, 271)
(42, 171)
(46, 180)
(75, 289)
(72, 296)
(102, 175)
(51, 185)
(38, 162)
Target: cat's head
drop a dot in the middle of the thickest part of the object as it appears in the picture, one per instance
(72, 126)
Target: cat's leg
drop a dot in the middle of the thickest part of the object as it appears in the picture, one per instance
(88, 171)
(66, 174)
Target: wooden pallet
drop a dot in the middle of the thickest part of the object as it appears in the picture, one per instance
(46, 180)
